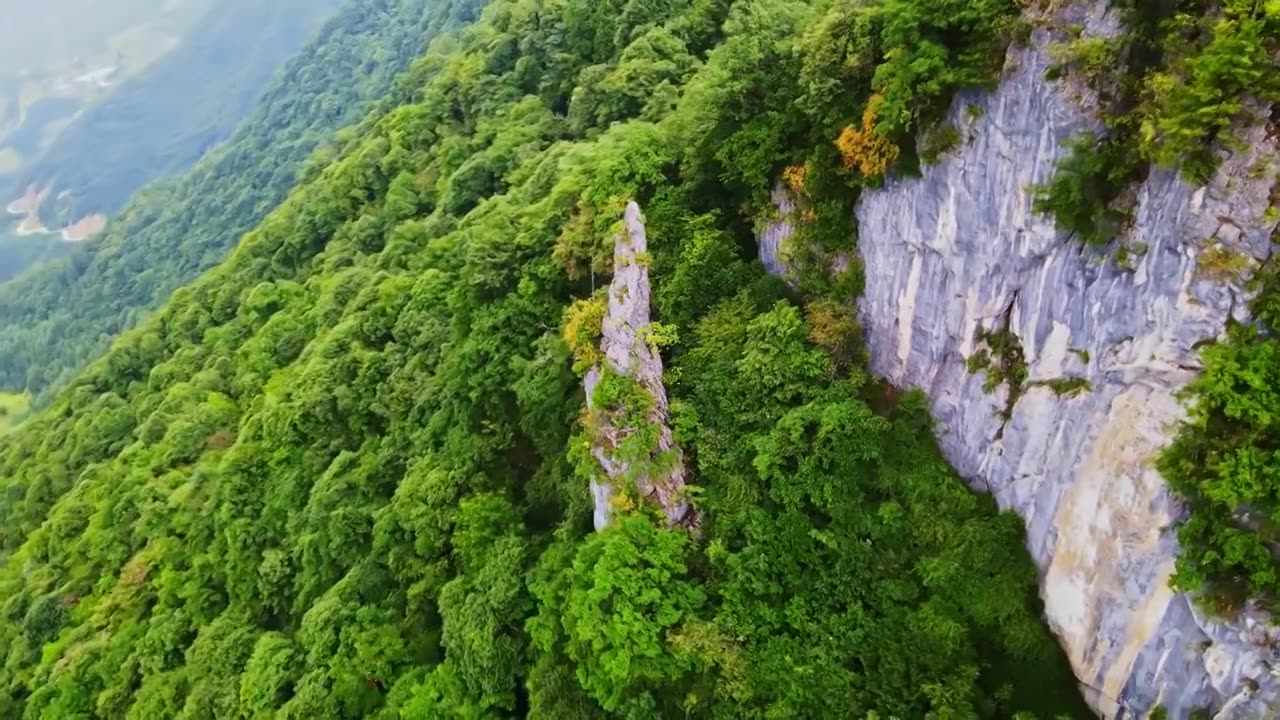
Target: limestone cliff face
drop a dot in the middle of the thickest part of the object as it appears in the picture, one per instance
(660, 477)
(959, 251)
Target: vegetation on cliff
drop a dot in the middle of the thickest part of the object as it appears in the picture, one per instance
(1170, 88)
(341, 474)
(1173, 87)
(1225, 463)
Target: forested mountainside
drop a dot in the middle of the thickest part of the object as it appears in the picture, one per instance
(498, 414)
(60, 315)
(343, 475)
(162, 120)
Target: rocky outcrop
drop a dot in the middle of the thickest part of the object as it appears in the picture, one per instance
(773, 235)
(658, 473)
(957, 254)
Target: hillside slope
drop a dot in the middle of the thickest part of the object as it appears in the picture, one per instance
(345, 473)
(60, 315)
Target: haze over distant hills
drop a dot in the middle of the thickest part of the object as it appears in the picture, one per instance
(100, 98)
(58, 315)
(57, 57)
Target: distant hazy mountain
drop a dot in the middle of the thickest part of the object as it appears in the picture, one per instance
(100, 98)
(61, 314)
(59, 56)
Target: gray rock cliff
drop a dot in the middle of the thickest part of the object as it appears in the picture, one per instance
(628, 352)
(958, 251)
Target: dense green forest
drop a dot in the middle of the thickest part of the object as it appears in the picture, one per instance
(163, 120)
(59, 316)
(343, 474)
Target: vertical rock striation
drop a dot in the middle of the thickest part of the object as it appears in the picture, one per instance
(659, 476)
(775, 233)
(959, 251)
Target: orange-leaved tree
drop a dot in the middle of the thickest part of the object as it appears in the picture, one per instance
(865, 148)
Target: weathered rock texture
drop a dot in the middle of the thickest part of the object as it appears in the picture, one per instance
(627, 352)
(959, 250)
(776, 232)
